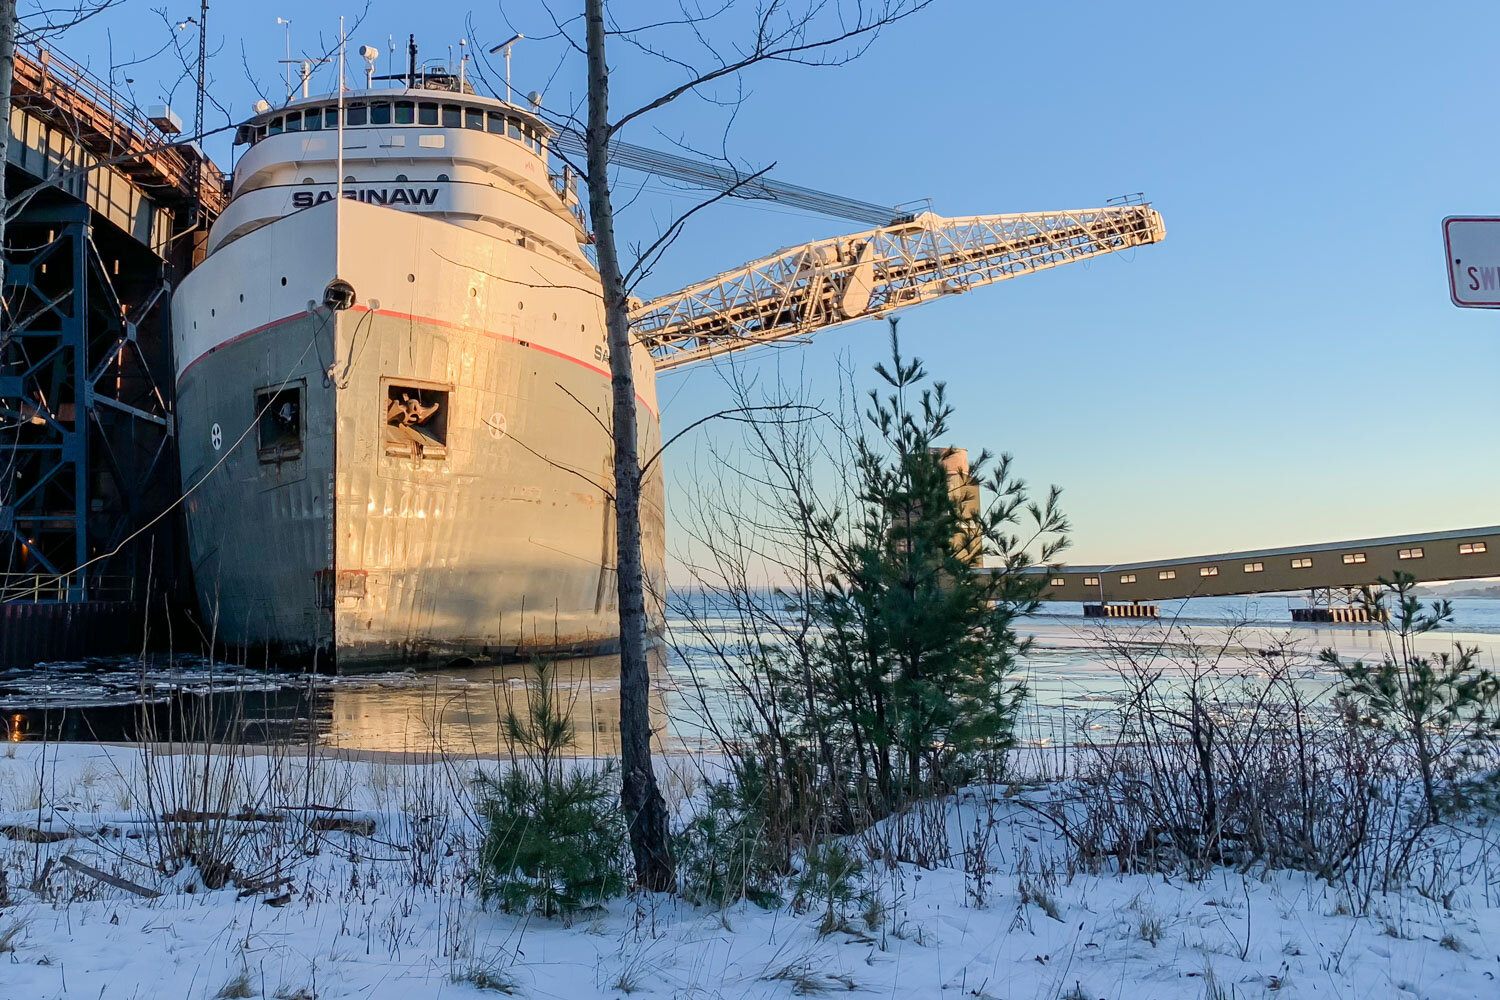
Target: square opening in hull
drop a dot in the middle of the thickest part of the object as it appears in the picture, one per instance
(416, 421)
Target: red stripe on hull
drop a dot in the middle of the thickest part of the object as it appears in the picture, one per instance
(494, 335)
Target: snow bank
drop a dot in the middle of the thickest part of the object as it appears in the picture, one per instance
(383, 909)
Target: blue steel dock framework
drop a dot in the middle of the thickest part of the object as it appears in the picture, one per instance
(104, 211)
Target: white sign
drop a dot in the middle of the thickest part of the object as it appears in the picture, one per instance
(1473, 246)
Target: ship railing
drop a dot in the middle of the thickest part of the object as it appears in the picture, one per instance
(54, 588)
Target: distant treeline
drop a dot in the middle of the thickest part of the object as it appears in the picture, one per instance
(1478, 589)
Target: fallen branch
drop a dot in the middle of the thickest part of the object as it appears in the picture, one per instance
(40, 882)
(340, 824)
(318, 808)
(253, 889)
(199, 816)
(31, 835)
(68, 861)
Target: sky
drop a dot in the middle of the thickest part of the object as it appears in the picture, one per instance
(1286, 367)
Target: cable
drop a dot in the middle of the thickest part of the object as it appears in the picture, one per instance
(270, 399)
(725, 178)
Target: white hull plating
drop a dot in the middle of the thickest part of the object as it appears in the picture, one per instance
(485, 530)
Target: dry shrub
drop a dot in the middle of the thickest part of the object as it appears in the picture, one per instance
(1238, 754)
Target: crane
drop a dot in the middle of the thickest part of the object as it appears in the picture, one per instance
(804, 289)
(905, 260)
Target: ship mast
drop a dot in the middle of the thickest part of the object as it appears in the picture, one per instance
(339, 185)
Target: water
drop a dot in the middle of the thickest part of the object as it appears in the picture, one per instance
(1070, 673)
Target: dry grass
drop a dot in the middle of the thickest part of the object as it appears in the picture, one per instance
(8, 935)
(239, 987)
(493, 978)
(809, 981)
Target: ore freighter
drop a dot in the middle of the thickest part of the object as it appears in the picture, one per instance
(393, 389)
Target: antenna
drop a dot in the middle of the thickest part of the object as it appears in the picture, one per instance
(340, 186)
(306, 74)
(411, 54)
(390, 60)
(369, 54)
(288, 60)
(505, 47)
(463, 59)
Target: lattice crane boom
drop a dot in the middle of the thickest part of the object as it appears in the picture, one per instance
(802, 290)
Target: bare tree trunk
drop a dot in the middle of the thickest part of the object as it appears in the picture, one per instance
(7, 75)
(645, 811)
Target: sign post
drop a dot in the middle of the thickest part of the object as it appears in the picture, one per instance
(1473, 246)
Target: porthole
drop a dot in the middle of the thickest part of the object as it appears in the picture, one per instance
(473, 292)
(442, 177)
(349, 179)
(411, 277)
(520, 306)
(554, 316)
(307, 180)
(213, 312)
(242, 296)
(401, 178)
(283, 280)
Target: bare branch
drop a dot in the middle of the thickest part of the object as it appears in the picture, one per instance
(738, 414)
(789, 45)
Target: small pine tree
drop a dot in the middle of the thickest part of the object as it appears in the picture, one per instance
(1444, 709)
(920, 649)
(554, 843)
(723, 854)
(830, 875)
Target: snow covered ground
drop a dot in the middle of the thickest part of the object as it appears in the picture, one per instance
(367, 896)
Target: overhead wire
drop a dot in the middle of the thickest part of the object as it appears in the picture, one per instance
(740, 185)
(254, 422)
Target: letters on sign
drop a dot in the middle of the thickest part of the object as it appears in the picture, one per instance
(370, 196)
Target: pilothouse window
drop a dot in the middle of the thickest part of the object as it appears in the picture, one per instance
(355, 115)
(496, 123)
(451, 116)
(474, 118)
(427, 114)
(380, 114)
(405, 111)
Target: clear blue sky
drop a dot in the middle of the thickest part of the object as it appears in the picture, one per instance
(1285, 367)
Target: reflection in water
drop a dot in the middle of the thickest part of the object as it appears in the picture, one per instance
(454, 710)
(462, 710)
(1068, 673)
